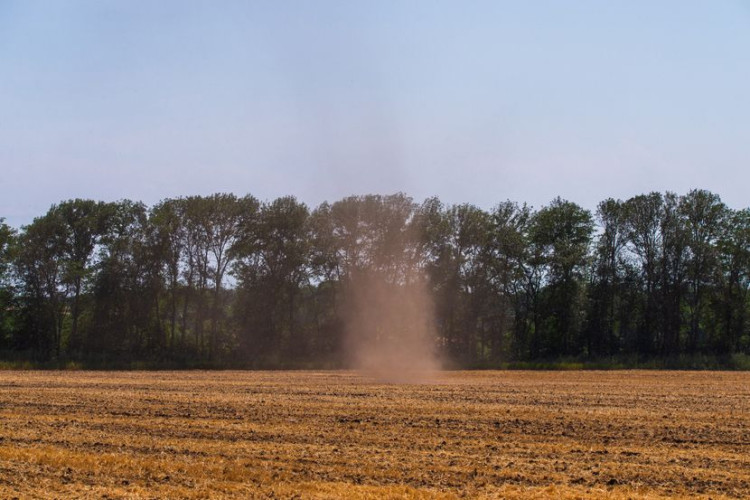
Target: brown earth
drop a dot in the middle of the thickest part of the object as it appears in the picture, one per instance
(629, 434)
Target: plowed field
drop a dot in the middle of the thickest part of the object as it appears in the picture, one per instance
(628, 434)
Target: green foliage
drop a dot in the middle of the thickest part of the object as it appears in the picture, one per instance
(658, 280)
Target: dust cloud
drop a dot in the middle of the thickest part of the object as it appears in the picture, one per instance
(390, 328)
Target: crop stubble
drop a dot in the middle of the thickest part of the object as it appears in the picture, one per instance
(630, 434)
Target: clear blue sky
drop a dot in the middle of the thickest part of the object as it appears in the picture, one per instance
(472, 101)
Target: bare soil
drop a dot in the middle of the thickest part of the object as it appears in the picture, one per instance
(628, 434)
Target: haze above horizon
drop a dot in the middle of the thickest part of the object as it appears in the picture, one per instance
(473, 102)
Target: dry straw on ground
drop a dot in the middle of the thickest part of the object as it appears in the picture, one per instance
(336, 434)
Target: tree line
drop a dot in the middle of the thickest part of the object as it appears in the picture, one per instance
(232, 281)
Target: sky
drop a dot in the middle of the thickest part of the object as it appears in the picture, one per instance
(472, 101)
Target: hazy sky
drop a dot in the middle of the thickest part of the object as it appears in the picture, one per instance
(468, 100)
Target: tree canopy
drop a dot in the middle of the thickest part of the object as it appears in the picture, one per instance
(227, 280)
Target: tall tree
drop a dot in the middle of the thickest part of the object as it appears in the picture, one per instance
(562, 231)
(40, 267)
(601, 337)
(453, 247)
(126, 289)
(506, 260)
(7, 240)
(732, 298)
(674, 240)
(273, 269)
(703, 214)
(222, 220)
(7, 235)
(84, 222)
(643, 224)
(166, 232)
(326, 276)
